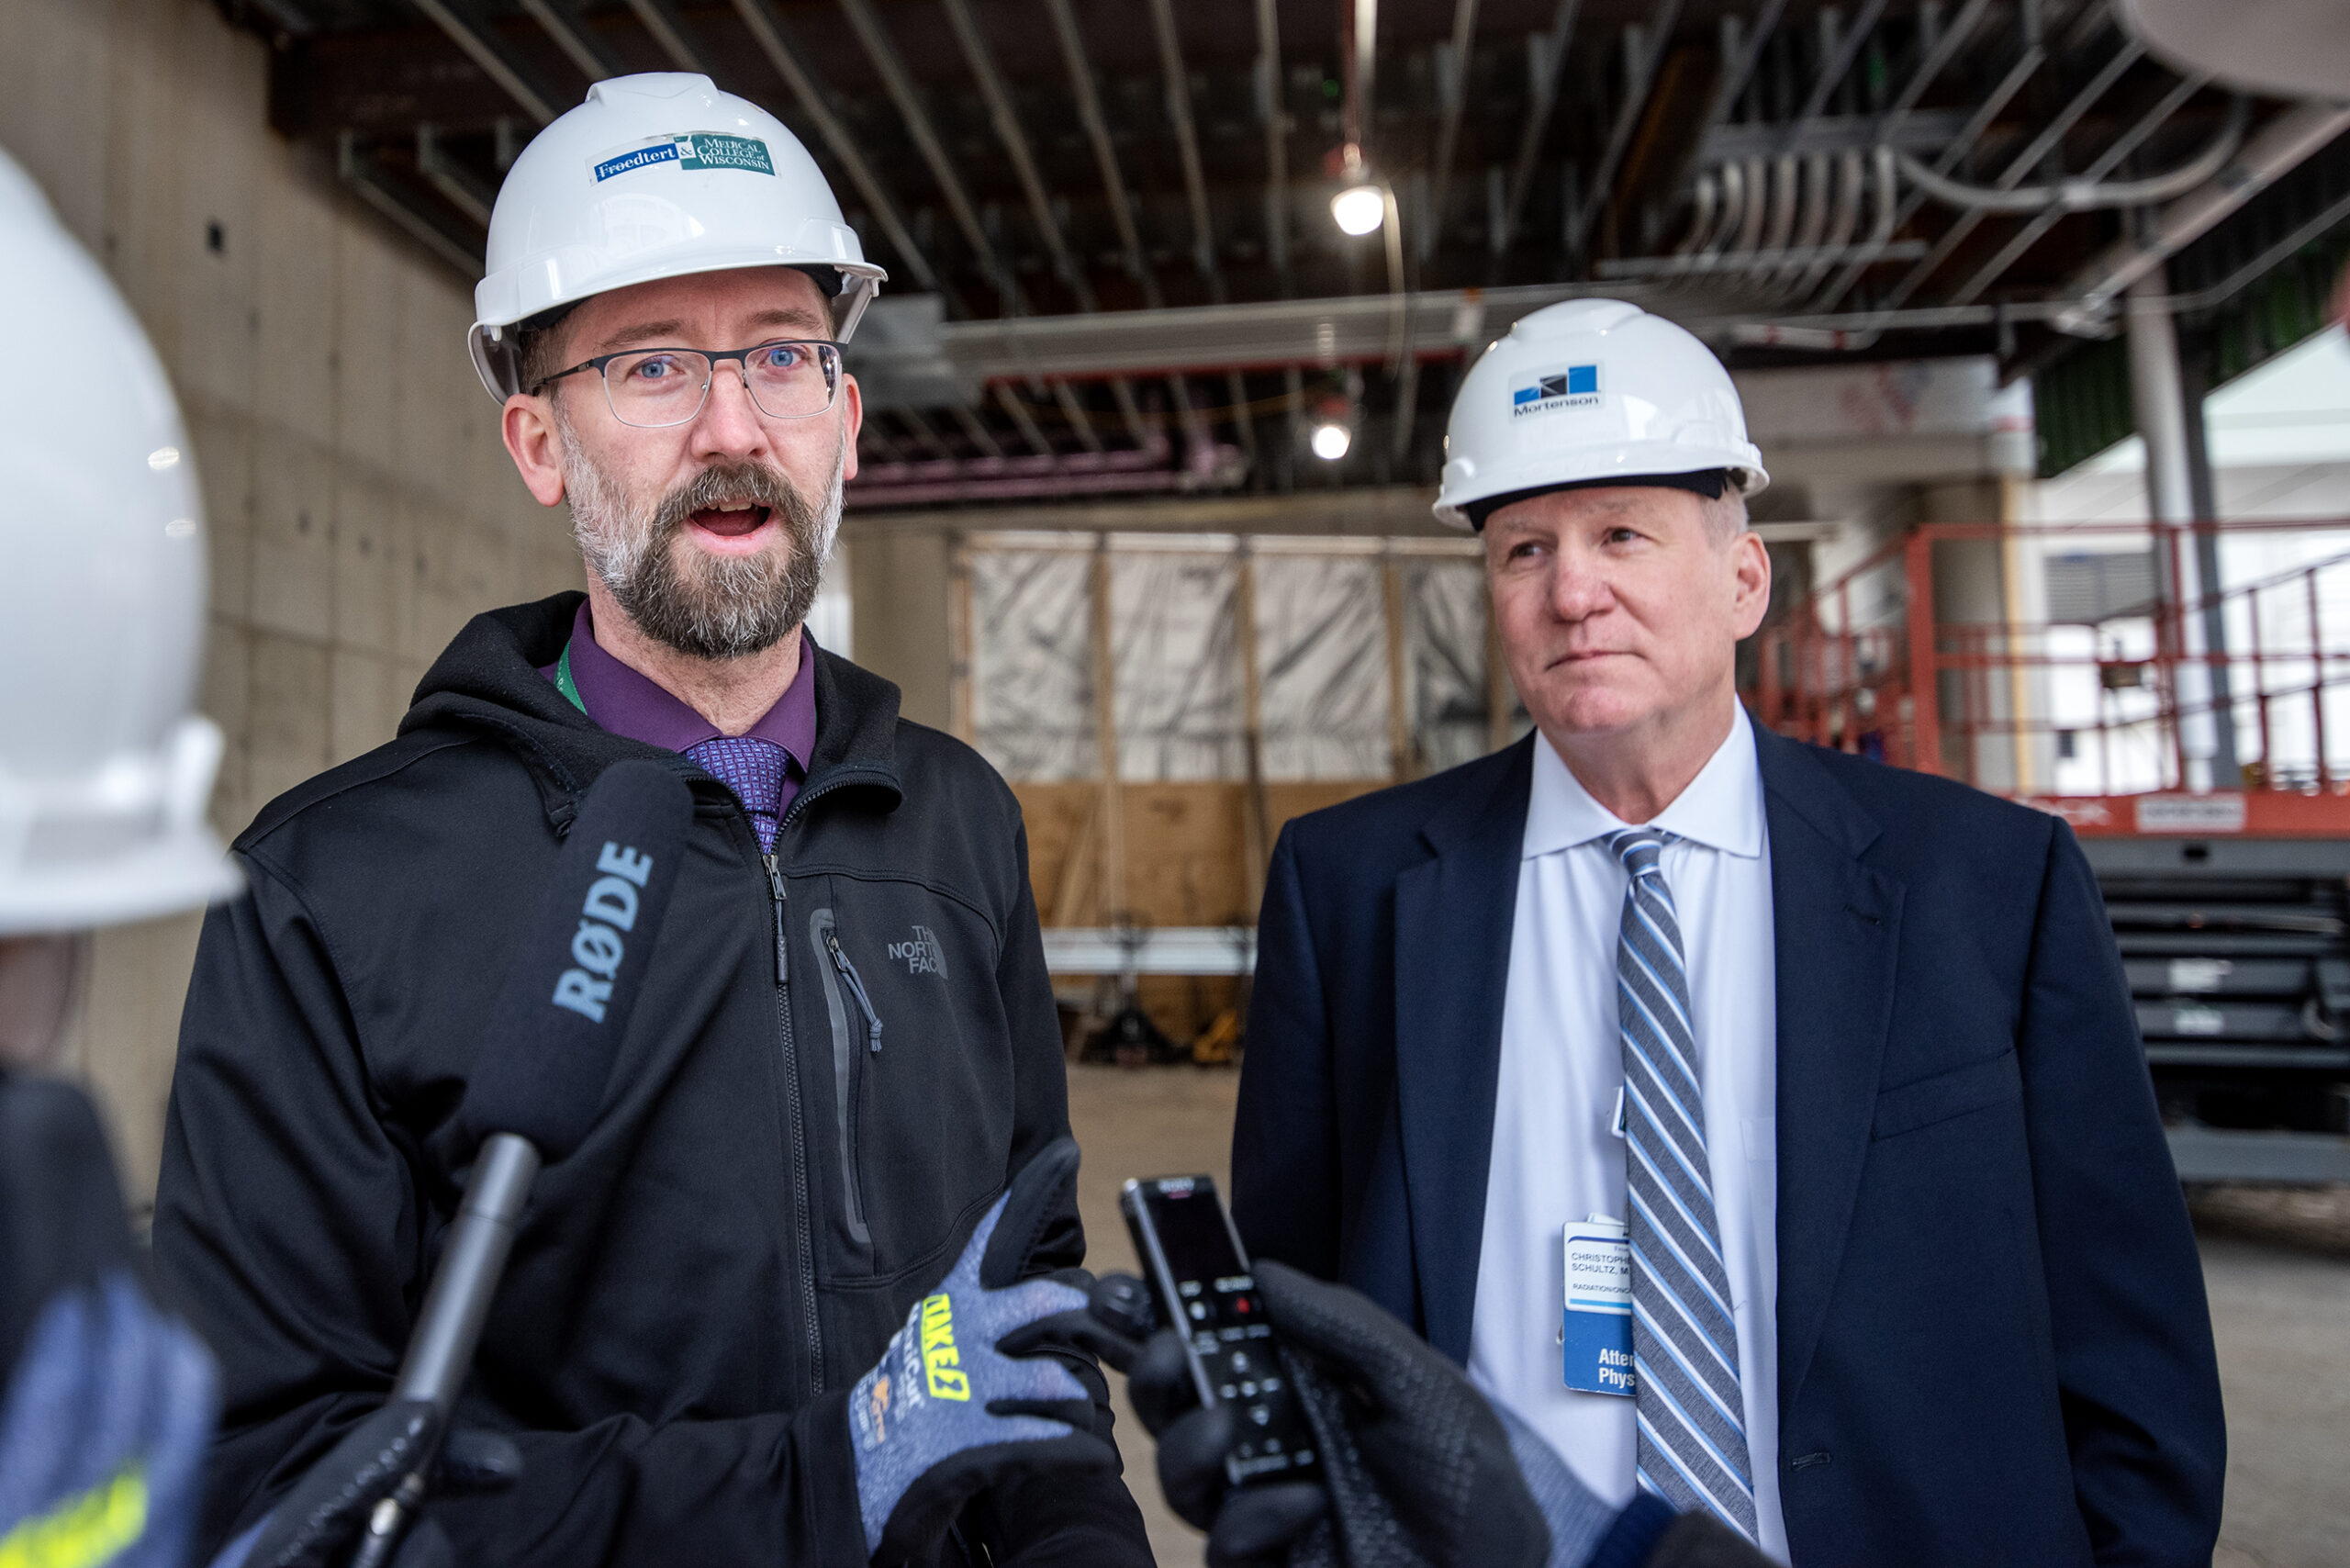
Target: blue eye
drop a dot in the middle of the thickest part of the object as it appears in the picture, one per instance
(779, 356)
(655, 367)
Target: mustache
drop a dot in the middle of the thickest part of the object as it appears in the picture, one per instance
(753, 482)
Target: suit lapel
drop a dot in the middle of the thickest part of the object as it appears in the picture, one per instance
(1453, 918)
(1838, 933)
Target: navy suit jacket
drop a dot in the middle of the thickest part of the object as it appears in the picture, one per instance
(1992, 1342)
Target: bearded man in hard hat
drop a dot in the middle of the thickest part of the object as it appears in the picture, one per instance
(1768, 1128)
(105, 1402)
(844, 1050)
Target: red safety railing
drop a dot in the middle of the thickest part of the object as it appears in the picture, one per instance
(2122, 690)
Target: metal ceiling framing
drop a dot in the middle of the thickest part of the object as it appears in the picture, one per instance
(1041, 165)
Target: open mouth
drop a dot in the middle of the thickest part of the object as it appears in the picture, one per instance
(731, 520)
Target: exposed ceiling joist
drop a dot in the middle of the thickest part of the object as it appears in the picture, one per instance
(468, 33)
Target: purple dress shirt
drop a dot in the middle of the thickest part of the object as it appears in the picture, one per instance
(763, 766)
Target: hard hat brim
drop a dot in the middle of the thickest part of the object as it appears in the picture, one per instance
(1710, 483)
(860, 281)
(182, 870)
(1469, 513)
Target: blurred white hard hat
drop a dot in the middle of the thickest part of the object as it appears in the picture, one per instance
(1590, 392)
(2297, 49)
(653, 176)
(104, 771)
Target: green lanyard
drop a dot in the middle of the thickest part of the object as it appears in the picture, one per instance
(562, 681)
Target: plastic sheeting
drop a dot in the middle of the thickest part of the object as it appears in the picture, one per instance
(1322, 659)
(1031, 663)
(1172, 637)
(1444, 650)
(1322, 666)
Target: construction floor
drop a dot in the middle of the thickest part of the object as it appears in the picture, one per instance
(2277, 1263)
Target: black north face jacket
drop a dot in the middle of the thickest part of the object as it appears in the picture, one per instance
(796, 1141)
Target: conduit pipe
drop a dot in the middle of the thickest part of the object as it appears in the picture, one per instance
(2086, 194)
(1811, 206)
(1852, 184)
(2280, 147)
(2024, 238)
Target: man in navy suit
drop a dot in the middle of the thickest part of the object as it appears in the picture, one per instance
(1769, 1128)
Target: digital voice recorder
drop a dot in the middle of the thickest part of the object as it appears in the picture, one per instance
(1204, 1288)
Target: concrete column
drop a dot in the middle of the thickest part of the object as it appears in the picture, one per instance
(2194, 380)
(901, 586)
(2159, 401)
(1990, 587)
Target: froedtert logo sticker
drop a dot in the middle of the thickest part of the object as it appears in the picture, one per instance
(690, 149)
(1544, 391)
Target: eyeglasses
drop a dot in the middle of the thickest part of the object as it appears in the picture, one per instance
(653, 388)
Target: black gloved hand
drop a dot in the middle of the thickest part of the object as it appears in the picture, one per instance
(321, 1522)
(1420, 1468)
(1416, 1467)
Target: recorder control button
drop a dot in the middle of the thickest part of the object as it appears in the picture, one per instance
(1261, 1415)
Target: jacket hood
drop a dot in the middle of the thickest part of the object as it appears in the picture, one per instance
(487, 678)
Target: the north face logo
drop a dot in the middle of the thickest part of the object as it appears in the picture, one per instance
(923, 956)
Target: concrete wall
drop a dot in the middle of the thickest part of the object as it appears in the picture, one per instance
(900, 586)
(360, 507)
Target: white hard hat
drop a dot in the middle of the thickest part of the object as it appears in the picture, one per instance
(658, 175)
(103, 772)
(1585, 393)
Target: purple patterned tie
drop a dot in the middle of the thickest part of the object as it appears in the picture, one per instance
(754, 769)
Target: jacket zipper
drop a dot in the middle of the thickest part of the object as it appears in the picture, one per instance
(804, 1224)
(857, 990)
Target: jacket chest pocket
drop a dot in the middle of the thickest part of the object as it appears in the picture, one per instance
(856, 1035)
(920, 1061)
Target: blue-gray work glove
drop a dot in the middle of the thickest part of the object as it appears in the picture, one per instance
(970, 1393)
(103, 1431)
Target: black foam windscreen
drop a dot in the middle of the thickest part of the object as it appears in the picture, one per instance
(557, 1030)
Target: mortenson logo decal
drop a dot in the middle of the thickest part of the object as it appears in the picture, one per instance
(1568, 387)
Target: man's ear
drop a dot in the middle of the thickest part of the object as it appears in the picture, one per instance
(528, 427)
(1750, 568)
(853, 415)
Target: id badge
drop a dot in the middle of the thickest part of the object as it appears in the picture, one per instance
(1596, 1327)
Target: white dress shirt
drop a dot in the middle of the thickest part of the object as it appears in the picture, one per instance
(1554, 1158)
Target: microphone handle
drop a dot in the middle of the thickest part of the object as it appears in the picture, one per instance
(441, 1353)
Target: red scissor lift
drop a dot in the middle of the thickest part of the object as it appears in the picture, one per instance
(2228, 902)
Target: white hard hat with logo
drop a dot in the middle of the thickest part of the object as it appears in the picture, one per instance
(104, 771)
(1591, 392)
(654, 177)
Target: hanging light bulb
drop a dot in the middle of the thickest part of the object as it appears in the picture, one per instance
(1330, 441)
(1359, 209)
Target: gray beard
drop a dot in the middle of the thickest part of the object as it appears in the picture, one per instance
(706, 608)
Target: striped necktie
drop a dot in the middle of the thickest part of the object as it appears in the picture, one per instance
(1692, 1414)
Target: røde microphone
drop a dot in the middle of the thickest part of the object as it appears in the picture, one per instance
(547, 1057)
(557, 1025)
